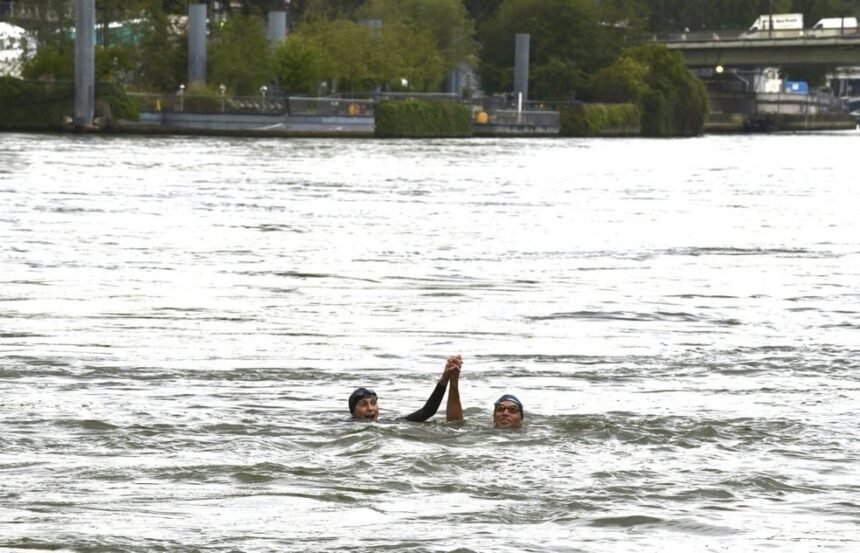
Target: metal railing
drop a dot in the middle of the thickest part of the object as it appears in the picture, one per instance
(344, 107)
(523, 118)
(533, 115)
(776, 34)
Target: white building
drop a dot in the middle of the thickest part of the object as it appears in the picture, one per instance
(15, 44)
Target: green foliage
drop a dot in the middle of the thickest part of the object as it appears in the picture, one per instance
(301, 64)
(51, 62)
(447, 21)
(42, 105)
(114, 62)
(482, 10)
(240, 56)
(361, 58)
(58, 63)
(29, 105)
(408, 53)
(422, 119)
(600, 120)
(162, 55)
(315, 10)
(623, 81)
(676, 101)
(349, 46)
(569, 40)
(673, 101)
(119, 104)
(816, 76)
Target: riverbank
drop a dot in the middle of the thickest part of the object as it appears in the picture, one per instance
(733, 123)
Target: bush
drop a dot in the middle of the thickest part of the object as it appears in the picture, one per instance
(422, 119)
(29, 105)
(600, 120)
(118, 104)
(38, 105)
(672, 100)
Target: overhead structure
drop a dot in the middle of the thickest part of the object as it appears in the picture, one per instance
(277, 30)
(197, 45)
(521, 66)
(85, 65)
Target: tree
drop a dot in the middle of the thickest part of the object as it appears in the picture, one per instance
(673, 102)
(409, 58)
(349, 46)
(240, 56)
(362, 57)
(568, 41)
(162, 61)
(482, 10)
(331, 9)
(302, 64)
(623, 81)
(446, 20)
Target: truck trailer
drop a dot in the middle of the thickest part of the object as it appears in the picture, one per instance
(781, 22)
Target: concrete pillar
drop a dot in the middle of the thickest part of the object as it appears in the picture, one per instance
(85, 62)
(197, 44)
(521, 65)
(277, 27)
(455, 79)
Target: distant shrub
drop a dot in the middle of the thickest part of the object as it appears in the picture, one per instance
(672, 100)
(34, 105)
(600, 120)
(422, 119)
(119, 104)
(42, 105)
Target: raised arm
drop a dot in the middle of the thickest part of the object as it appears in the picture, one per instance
(454, 410)
(435, 399)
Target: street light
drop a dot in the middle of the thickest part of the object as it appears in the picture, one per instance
(223, 89)
(181, 94)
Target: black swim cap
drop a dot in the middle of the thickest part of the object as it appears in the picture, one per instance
(512, 398)
(358, 395)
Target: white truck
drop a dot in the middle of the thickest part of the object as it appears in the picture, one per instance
(836, 23)
(781, 22)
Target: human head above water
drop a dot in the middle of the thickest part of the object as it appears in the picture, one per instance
(508, 412)
(362, 404)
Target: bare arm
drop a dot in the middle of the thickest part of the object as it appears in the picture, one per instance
(454, 409)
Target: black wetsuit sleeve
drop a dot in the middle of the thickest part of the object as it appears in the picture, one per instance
(430, 408)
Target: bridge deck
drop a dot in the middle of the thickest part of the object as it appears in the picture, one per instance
(744, 48)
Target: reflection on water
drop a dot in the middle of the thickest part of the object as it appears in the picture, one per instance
(182, 320)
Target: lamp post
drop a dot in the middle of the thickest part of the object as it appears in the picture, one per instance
(263, 90)
(223, 89)
(181, 94)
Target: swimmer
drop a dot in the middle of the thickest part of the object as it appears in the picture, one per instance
(507, 410)
(364, 402)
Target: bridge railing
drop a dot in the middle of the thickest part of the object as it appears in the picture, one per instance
(777, 34)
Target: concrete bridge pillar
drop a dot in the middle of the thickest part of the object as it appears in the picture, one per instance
(521, 65)
(85, 64)
(277, 27)
(197, 44)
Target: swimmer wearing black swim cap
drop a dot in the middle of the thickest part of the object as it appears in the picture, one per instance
(364, 402)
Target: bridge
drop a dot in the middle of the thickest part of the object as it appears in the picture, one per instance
(831, 47)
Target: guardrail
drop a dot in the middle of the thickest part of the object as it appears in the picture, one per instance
(342, 107)
(523, 118)
(745, 34)
(329, 106)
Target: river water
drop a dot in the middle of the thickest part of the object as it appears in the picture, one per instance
(182, 320)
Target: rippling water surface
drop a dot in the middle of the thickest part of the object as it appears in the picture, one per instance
(182, 320)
